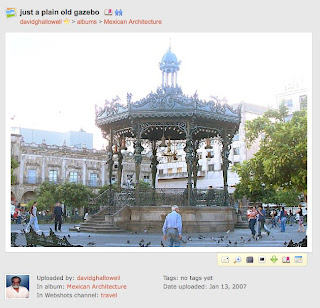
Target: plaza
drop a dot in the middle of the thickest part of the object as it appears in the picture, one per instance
(238, 238)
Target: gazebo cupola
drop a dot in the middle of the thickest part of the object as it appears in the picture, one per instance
(169, 66)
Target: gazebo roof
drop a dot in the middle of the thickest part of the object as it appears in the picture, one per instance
(167, 105)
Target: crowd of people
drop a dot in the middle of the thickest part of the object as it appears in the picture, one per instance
(279, 219)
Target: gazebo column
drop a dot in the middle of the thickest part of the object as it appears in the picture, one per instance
(138, 149)
(189, 160)
(110, 161)
(120, 167)
(195, 163)
(154, 163)
(226, 143)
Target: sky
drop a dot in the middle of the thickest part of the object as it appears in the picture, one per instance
(54, 80)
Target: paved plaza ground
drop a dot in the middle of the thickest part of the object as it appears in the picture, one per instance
(236, 238)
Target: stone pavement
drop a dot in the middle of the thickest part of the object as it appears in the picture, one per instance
(236, 238)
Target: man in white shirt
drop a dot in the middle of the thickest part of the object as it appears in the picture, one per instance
(15, 290)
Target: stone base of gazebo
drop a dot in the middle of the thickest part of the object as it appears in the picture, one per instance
(194, 218)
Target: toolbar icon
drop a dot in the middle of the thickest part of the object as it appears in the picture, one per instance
(11, 12)
(237, 260)
(285, 259)
(273, 259)
(298, 259)
(224, 259)
(249, 259)
(108, 12)
(262, 259)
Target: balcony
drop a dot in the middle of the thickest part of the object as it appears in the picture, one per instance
(179, 175)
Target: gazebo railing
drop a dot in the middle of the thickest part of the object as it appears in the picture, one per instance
(115, 200)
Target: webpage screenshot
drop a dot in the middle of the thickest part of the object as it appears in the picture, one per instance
(159, 154)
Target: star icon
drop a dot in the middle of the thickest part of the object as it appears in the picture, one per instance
(66, 21)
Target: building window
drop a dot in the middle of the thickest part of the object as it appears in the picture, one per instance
(53, 176)
(236, 151)
(179, 170)
(93, 179)
(170, 171)
(160, 171)
(146, 179)
(32, 176)
(200, 168)
(113, 179)
(211, 167)
(288, 103)
(303, 101)
(73, 177)
(236, 137)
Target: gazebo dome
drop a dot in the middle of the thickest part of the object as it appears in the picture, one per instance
(169, 58)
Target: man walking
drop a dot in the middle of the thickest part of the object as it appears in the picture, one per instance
(57, 214)
(172, 227)
(262, 220)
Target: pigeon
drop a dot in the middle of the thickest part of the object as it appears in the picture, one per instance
(218, 242)
(228, 232)
(184, 242)
(212, 238)
(128, 242)
(145, 231)
(89, 235)
(236, 243)
(69, 235)
(162, 245)
(142, 241)
(148, 244)
(230, 242)
(285, 243)
(141, 244)
(249, 240)
(242, 241)
(200, 237)
(91, 243)
(189, 238)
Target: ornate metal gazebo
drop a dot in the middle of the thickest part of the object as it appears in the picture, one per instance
(168, 114)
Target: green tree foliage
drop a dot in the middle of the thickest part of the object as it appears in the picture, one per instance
(71, 194)
(14, 165)
(281, 162)
(74, 195)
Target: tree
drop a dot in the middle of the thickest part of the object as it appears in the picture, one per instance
(47, 194)
(74, 195)
(281, 162)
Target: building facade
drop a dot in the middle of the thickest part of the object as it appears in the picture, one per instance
(40, 163)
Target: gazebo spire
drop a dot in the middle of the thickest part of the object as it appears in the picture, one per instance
(169, 66)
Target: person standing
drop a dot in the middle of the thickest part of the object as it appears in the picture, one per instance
(172, 227)
(261, 221)
(252, 214)
(283, 220)
(299, 213)
(57, 214)
(33, 219)
(15, 290)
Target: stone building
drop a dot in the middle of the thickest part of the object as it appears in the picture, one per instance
(58, 164)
